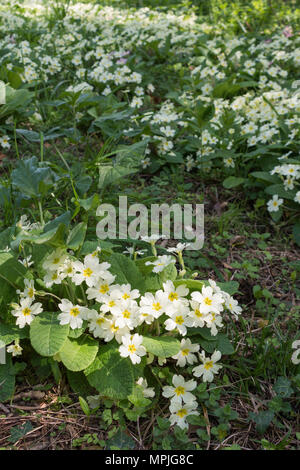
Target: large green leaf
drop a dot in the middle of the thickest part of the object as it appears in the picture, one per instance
(32, 179)
(47, 336)
(9, 333)
(78, 353)
(7, 380)
(109, 174)
(111, 374)
(125, 270)
(163, 346)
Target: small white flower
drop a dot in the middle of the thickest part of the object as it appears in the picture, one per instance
(15, 349)
(181, 412)
(71, 314)
(181, 390)
(161, 263)
(274, 204)
(148, 392)
(208, 300)
(132, 347)
(209, 366)
(185, 355)
(26, 311)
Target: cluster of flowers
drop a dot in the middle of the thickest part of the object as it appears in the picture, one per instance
(121, 309)
(101, 50)
(112, 311)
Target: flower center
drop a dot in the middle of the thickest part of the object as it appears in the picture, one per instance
(100, 321)
(179, 320)
(198, 313)
(207, 301)
(112, 303)
(26, 311)
(74, 312)
(126, 314)
(182, 413)
(87, 272)
(173, 296)
(126, 296)
(131, 348)
(30, 292)
(156, 306)
(208, 365)
(179, 391)
(103, 289)
(185, 352)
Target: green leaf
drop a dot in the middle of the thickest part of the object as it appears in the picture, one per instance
(84, 406)
(18, 432)
(191, 284)
(281, 192)
(232, 182)
(47, 336)
(283, 388)
(296, 233)
(111, 374)
(31, 179)
(76, 236)
(262, 420)
(163, 346)
(109, 175)
(7, 380)
(125, 270)
(9, 333)
(120, 441)
(78, 353)
(79, 384)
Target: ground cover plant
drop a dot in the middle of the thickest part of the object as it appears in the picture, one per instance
(143, 343)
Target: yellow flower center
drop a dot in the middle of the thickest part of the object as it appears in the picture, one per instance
(103, 289)
(26, 311)
(179, 320)
(114, 328)
(179, 390)
(156, 306)
(207, 301)
(131, 348)
(87, 272)
(126, 296)
(208, 365)
(185, 352)
(182, 413)
(126, 314)
(74, 312)
(112, 303)
(100, 321)
(198, 313)
(173, 296)
(54, 276)
(30, 292)
(56, 261)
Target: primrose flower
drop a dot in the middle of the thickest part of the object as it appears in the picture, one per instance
(209, 366)
(179, 413)
(161, 263)
(26, 311)
(185, 355)
(71, 314)
(15, 349)
(148, 392)
(90, 271)
(29, 290)
(132, 348)
(208, 300)
(55, 260)
(181, 391)
(179, 318)
(274, 204)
